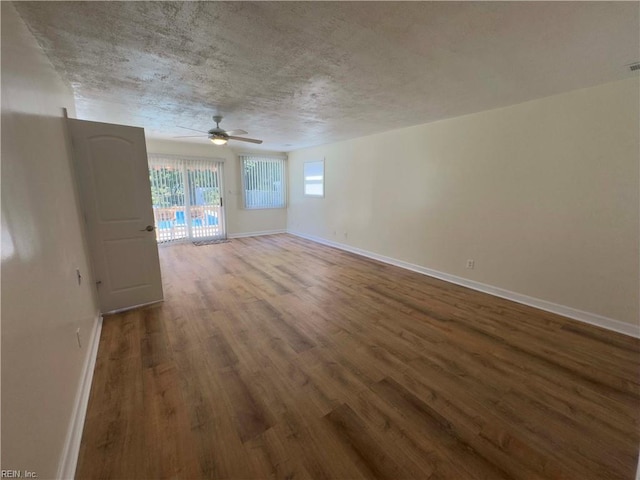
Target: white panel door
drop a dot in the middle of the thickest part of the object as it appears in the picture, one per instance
(113, 176)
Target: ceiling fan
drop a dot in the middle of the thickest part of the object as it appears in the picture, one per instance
(220, 136)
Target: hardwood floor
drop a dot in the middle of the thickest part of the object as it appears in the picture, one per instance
(275, 357)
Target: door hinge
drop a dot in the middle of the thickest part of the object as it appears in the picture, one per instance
(220, 201)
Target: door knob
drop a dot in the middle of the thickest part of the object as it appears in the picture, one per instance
(148, 228)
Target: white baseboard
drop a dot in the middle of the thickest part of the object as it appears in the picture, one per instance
(575, 314)
(69, 459)
(255, 234)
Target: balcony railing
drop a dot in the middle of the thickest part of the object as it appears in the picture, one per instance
(178, 223)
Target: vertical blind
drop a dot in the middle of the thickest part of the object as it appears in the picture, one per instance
(263, 181)
(186, 195)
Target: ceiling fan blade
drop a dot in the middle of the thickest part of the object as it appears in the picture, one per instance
(242, 139)
(236, 132)
(187, 128)
(189, 136)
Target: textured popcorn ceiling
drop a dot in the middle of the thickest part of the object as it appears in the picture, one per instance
(297, 74)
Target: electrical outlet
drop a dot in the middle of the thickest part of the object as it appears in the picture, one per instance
(471, 264)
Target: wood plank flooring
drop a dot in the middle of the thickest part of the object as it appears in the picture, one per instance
(275, 357)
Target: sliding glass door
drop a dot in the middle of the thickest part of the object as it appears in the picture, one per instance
(187, 198)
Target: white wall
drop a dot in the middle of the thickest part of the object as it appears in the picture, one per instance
(42, 245)
(542, 195)
(239, 220)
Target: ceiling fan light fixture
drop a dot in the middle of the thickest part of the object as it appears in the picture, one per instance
(220, 137)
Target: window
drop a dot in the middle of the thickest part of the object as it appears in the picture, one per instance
(314, 178)
(186, 195)
(263, 181)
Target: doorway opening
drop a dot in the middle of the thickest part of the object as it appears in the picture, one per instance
(187, 198)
